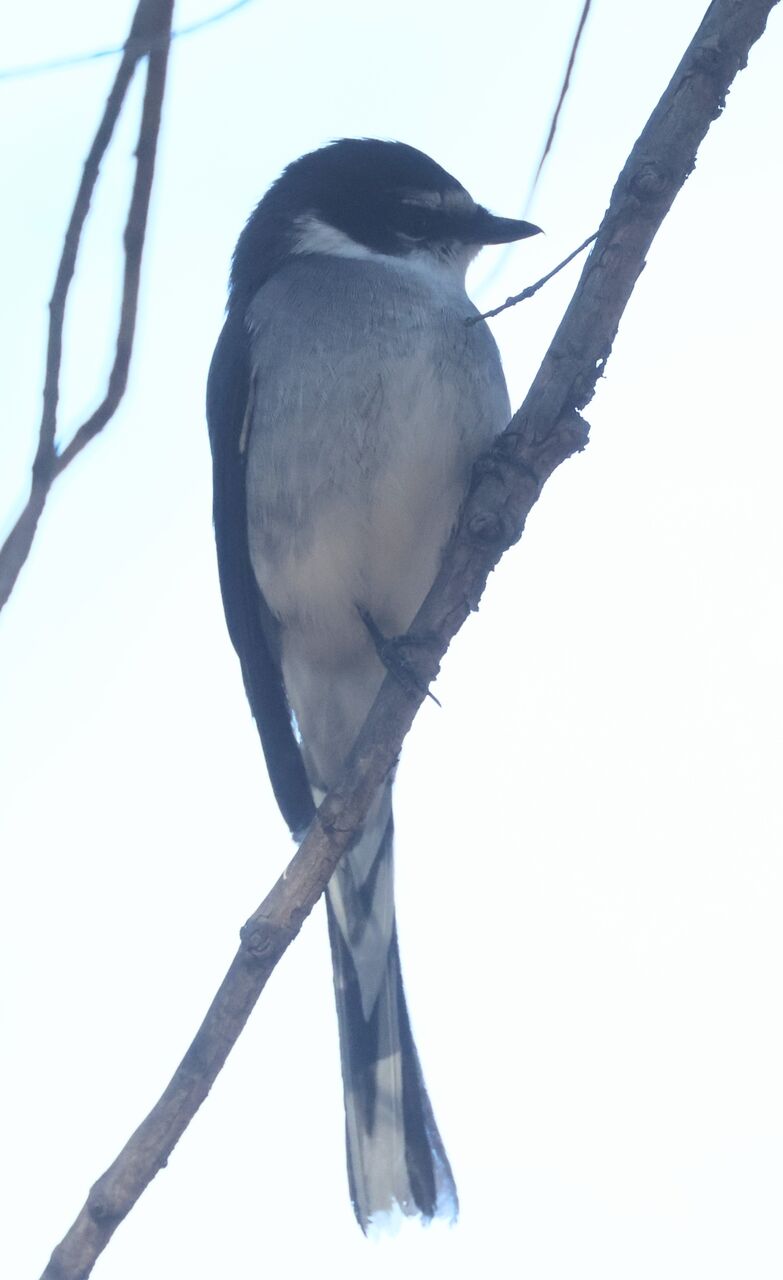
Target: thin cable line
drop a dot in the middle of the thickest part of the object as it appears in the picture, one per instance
(77, 60)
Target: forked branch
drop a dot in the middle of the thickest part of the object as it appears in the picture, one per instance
(149, 37)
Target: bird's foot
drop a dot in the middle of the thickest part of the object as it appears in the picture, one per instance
(397, 654)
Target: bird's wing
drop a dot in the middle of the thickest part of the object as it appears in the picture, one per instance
(251, 624)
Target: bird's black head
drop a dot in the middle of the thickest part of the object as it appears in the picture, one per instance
(362, 197)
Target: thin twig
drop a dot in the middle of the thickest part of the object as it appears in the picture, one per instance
(504, 256)
(533, 288)
(151, 19)
(543, 433)
(561, 99)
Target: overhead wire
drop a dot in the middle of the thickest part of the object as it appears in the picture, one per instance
(79, 59)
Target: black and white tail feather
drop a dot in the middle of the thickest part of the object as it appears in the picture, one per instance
(396, 1159)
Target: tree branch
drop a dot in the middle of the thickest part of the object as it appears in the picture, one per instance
(150, 30)
(545, 431)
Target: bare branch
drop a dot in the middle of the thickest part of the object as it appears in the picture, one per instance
(543, 433)
(152, 18)
(133, 245)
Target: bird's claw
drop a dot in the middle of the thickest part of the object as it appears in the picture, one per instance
(392, 652)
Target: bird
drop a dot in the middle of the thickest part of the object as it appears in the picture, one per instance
(352, 388)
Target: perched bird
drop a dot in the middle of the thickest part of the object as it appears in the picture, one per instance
(347, 402)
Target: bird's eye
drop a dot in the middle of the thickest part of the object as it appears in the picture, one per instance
(413, 221)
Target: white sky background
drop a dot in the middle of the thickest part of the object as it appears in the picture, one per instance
(589, 831)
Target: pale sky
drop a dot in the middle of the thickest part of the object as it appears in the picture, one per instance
(589, 831)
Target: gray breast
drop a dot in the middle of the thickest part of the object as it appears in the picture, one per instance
(371, 398)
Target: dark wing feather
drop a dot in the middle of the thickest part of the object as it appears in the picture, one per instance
(250, 623)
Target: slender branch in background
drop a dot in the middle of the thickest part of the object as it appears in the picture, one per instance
(509, 249)
(561, 99)
(133, 248)
(151, 26)
(545, 431)
(533, 288)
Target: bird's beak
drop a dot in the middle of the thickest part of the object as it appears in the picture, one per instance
(492, 230)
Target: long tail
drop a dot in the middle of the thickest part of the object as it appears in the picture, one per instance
(395, 1153)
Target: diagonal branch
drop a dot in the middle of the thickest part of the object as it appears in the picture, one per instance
(152, 20)
(545, 431)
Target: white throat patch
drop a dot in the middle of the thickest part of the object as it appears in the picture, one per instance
(312, 235)
(315, 236)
